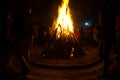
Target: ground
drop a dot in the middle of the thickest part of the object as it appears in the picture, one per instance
(49, 70)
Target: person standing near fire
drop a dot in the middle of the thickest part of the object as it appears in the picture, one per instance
(22, 32)
(117, 28)
(107, 32)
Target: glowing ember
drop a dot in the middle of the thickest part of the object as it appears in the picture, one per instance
(63, 25)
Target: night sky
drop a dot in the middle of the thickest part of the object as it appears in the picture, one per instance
(46, 10)
(80, 9)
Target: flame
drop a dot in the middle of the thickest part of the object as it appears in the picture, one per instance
(63, 24)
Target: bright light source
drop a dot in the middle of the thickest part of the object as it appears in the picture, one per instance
(86, 23)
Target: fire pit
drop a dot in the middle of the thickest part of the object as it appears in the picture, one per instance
(63, 42)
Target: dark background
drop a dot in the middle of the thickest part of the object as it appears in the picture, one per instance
(80, 10)
(46, 10)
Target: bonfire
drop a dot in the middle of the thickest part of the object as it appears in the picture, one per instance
(64, 42)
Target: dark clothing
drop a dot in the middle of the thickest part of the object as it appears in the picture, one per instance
(107, 34)
(21, 31)
(117, 27)
(108, 24)
(5, 6)
(21, 25)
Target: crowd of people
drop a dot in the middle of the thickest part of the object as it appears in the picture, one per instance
(16, 30)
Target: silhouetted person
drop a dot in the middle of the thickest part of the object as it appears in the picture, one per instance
(117, 27)
(36, 34)
(107, 33)
(5, 6)
(22, 32)
(3, 38)
(9, 45)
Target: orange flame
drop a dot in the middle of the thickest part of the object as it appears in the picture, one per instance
(63, 24)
